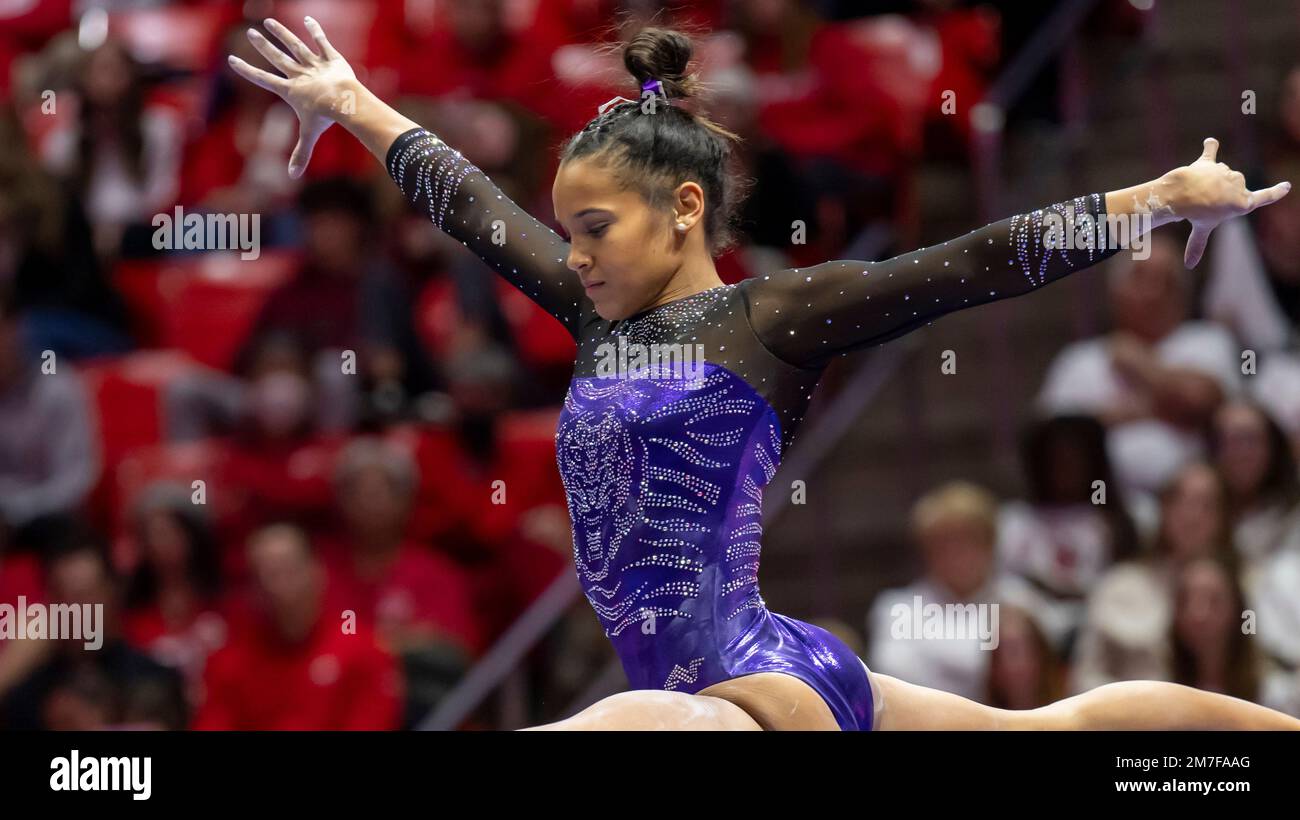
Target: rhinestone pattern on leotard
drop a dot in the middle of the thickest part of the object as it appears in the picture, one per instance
(647, 465)
(1028, 233)
(461, 200)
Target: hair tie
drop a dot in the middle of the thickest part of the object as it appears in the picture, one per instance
(649, 86)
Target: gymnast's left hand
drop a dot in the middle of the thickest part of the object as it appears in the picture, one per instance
(318, 87)
(1206, 193)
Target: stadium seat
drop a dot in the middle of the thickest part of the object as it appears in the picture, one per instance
(203, 304)
(542, 341)
(126, 394)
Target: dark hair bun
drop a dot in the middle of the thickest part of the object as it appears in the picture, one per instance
(661, 54)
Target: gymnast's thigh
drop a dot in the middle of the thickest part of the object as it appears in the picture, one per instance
(910, 707)
(776, 701)
(655, 710)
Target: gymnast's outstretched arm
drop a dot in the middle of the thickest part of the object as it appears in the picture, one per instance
(459, 198)
(804, 316)
(807, 315)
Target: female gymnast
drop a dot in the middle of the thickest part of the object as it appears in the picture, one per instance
(664, 474)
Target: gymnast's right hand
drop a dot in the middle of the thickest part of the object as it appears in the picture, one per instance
(318, 87)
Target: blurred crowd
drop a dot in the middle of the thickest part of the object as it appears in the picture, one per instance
(312, 488)
(1159, 536)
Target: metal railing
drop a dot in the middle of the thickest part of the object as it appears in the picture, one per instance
(988, 118)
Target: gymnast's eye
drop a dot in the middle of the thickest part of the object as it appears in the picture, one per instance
(599, 231)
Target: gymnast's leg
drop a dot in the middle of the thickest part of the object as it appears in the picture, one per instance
(1123, 705)
(651, 709)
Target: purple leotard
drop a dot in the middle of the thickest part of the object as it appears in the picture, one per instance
(664, 467)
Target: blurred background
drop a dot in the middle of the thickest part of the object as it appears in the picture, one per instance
(177, 442)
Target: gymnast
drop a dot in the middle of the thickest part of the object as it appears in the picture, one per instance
(664, 475)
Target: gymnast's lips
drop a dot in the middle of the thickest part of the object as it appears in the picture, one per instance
(589, 286)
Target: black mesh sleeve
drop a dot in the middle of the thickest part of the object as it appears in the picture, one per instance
(461, 200)
(807, 315)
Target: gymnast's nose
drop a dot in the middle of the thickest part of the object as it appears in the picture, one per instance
(578, 261)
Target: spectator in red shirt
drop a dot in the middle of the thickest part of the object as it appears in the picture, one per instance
(296, 664)
(277, 464)
(78, 687)
(347, 298)
(172, 594)
(504, 515)
(409, 592)
(418, 600)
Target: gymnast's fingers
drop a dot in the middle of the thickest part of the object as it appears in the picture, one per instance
(273, 55)
(302, 152)
(1211, 149)
(258, 77)
(318, 34)
(1267, 196)
(296, 47)
(1196, 245)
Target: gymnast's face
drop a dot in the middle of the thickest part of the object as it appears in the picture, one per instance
(624, 252)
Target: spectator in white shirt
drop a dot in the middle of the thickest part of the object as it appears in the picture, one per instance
(121, 158)
(1212, 645)
(1073, 525)
(1125, 634)
(1254, 456)
(1156, 379)
(1277, 604)
(956, 529)
(49, 456)
(1025, 672)
(1264, 506)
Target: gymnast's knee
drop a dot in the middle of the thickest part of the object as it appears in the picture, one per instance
(677, 710)
(1068, 715)
(652, 709)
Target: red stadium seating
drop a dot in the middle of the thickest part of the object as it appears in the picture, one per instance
(126, 394)
(542, 341)
(436, 316)
(203, 304)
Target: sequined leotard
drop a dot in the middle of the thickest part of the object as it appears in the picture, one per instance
(664, 473)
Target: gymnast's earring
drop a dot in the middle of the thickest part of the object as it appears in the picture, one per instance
(681, 226)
